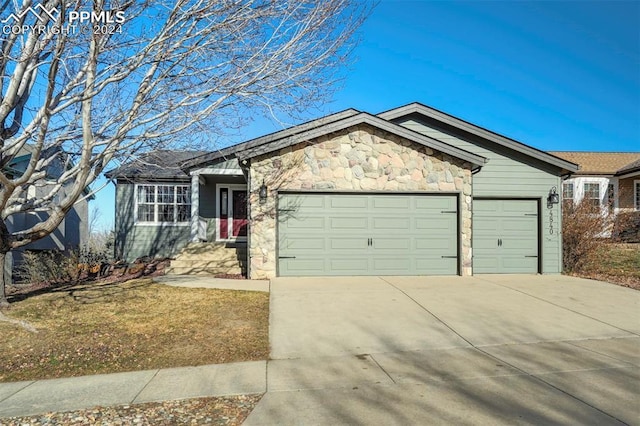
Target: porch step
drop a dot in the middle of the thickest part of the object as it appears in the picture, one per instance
(210, 259)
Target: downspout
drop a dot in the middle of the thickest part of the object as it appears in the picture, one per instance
(246, 170)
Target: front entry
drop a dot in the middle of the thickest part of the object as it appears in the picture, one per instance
(232, 208)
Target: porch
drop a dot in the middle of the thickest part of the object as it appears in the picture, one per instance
(218, 223)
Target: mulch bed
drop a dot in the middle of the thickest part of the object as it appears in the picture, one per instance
(231, 410)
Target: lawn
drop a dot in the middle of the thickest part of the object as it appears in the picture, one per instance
(136, 325)
(616, 263)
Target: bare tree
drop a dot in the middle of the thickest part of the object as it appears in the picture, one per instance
(94, 83)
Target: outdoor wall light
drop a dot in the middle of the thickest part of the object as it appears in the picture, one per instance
(554, 197)
(262, 194)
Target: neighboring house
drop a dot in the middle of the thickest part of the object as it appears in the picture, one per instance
(73, 231)
(411, 191)
(610, 180)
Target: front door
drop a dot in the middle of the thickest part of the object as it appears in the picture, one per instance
(232, 213)
(239, 209)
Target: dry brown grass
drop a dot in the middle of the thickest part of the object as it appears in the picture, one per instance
(615, 263)
(136, 325)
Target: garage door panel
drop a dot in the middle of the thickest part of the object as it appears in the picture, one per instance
(341, 223)
(390, 203)
(348, 202)
(315, 266)
(381, 224)
(514, 265)
(391, 265)
(355, 265)
(367, 234)
(302, 222)
(436, 203)
(347, 243)
(309, 243)
(443, 221)
(442, 246)
(435, 265)
(391, 243)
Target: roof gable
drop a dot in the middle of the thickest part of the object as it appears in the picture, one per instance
(460, 127)
(354, 120)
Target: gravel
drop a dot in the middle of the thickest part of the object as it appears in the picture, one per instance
(230, 410)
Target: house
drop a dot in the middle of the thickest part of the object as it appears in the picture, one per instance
(73, 231)
(410, 191)
(610, 180)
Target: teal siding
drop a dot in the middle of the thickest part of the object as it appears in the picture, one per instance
(134, 240)
(510, 174)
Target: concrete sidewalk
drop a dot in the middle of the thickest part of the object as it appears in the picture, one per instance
(204, 281)
(36, 397)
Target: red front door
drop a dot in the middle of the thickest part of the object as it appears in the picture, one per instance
(239, 213)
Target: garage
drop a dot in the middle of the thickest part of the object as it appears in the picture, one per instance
(505, 236)
(322, 234)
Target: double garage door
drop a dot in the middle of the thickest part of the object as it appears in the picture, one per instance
(321, 234)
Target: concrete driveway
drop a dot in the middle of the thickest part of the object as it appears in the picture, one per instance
(498, 349)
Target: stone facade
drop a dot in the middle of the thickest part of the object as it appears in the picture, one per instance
(361, 158)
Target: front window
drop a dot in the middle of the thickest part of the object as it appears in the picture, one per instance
(592, 194)
(567, 192)
(636, 193)
(163, 203)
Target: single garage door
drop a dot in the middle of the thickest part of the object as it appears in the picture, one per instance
(367, 234)
(505, 236)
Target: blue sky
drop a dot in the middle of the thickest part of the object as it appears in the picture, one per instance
(561, 76)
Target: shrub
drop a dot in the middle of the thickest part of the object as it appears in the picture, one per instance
(626, 227)
(56, 266)
(585, 230)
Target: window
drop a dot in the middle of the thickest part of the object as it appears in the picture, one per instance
(636, 193)
(611, 197)
(592, 194)
(163, 203)
(567, 192)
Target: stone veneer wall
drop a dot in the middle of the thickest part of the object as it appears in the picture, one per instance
(361, 158)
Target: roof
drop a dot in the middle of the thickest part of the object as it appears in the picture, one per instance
(158, 164)
(599, 163)
(629, 168)
(354, 120)
(460, 126)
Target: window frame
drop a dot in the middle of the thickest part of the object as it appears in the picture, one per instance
(564, 192)
(585, 194)
(156, 211)
(636, 194)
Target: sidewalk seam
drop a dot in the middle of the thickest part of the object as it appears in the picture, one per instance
(18, 391)
(145, 386)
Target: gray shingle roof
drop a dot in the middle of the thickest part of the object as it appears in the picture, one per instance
(629, 168)
(159, 164)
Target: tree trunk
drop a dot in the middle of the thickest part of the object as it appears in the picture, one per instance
(3, 295)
